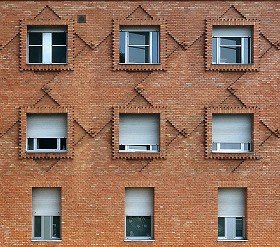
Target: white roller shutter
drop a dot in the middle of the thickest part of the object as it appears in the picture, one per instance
(46, 201)
(231, 202)
(139, 129)
(232, 128)
(233, 31)
(139, 201)
(46, 125)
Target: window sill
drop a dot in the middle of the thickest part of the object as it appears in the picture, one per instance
(232, 240)
(49, 240)
(139, 240)
(232, 152)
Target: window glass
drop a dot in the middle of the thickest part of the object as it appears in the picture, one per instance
(59, 38)
(35, 38)
(35, 54)
(47, 224)
(63, 145)
(37, 227)
(59, 54)
(47, 143)
(221, 227)
(239, 227)
(230, 41)
(56, 227)
(230, 54)
(230, 145)
(138, 226)
(139, 38)
(139, 54)
(122, 47)
(30, 143)
(155, 47)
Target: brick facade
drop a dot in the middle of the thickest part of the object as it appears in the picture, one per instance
(185, 89)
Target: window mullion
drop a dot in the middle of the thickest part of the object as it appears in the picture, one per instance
(150, 47)
(47, 48)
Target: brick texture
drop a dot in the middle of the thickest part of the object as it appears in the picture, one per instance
(184, 89)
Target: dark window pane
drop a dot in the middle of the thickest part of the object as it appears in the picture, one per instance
(155, 47)
(139, 54)
(139, 226)
(35, 54)
(35, 38)
(63, 143)
(230, 54)
(59, 54)
(239, 227)
(221, 227)
(56, 227)
(37, 227)
(247, 147)
(121, 147)
(214, 50)
(30, 143)
(122, 47)
(230, 41)
(139, 38)
(59, 38)
(46, 143)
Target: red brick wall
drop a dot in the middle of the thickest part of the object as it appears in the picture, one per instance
(185, 180)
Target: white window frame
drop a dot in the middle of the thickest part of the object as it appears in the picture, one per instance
(46, 43)
(127, 30)
(61, 120)
(228, 34)
(38, 150)
(151, 148)
(140, 146)
(243, 145)
(230, 228)
(43, 230)
(224, 150)
(138, 211)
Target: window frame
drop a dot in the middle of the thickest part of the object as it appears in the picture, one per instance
(127, 30)
(242, 144)
(140, 24)
(134, 154)
(140, 238)
(47, 45)
(51, 25)
(234, 154)
(253, 24)
(43, 228)
(238, 210)
(56, 195)
(233, 32)
(46, 153)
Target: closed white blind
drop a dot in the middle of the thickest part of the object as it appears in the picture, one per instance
(46, 201)
(231, 202)
(232, 128)
(46, 125)
(139, 129)
(139, 201)
(233, 31)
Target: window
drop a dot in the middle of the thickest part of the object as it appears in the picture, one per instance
(46, 213)
(139, 213)
(139, 45)
(231, 213)
(232, 45)
(47, 45)
(232, 133)
(139, 133)
(46, 133)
